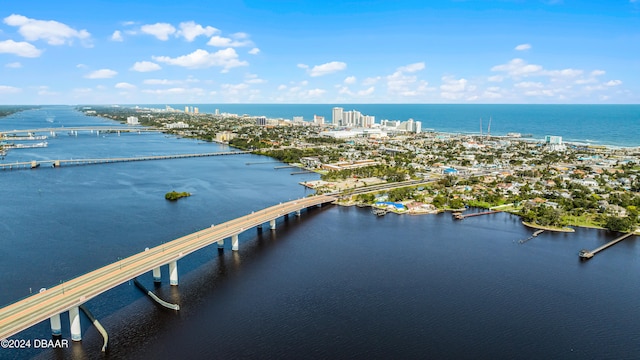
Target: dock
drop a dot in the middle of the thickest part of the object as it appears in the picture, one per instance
(535, 234)
(586, 254)
(460, 216)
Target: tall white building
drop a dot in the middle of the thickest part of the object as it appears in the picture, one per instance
(317, 119)
(336, 118)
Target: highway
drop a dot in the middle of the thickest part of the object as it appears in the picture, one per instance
(39, 307)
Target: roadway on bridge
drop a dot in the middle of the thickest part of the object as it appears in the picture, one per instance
(39, 307)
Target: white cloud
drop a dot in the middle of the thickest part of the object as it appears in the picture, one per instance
(282, 87)
(124, 85)
(496, 78)
(175, 91)
(159, 30)
(101, 74)
(190, 30)
(117, 36)
(81, 66)
(518, 68)
(220, 41)
(44, 91)
(613, 83)
(23, 49)
(598, 72)
(371, 80)
(161, 82)
(325, 69)
(14, 65)
(4, 89)
(350, 80)
(314, 93)
(234, 89)
(523, 47)
(53, 32)
(564, 73)
(227, 59)
(412, 67)
(366, 92)
(402, 84)
(456, 89)
(303, 66)
(529, 85)
(145, 66)
(254, 51)
(254, 79)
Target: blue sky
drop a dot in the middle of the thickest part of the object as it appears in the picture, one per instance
(286, 51)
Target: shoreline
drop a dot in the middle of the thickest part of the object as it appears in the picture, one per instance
(548, 228)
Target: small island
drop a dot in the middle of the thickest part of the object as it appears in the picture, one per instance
(174, 195)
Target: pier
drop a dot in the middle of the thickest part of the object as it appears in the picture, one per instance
(535, 234)
(75, 162)
(460, 216)
(586, 254)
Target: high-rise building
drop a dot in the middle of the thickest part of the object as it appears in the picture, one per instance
(317, 119)
(261, 120)
(186, 109)
(336, 118)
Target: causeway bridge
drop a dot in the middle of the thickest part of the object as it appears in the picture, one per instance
(71, 295)
(58, 163)
(74, 130)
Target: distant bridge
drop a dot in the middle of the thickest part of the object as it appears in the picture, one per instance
(58, 163)
(74, 130)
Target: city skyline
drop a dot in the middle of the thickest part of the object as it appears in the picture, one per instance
(335, 52)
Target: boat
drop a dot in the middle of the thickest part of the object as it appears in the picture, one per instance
(29, 146)
(379, 212)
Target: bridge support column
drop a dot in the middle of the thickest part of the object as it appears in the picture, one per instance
(157, 275)
(272, 224)
(298, 213)
(173, 273)
(56, 325)
(74, 320)
(220, 243)
(234, 242)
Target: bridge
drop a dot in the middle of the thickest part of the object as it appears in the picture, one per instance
(71, 295)
(74, 130)
(58, 163)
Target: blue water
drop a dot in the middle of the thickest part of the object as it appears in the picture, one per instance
(617, 125)
(338, 282)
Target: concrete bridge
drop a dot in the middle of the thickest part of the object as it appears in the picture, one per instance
(58, 163)
(74, 130)
(71, 295)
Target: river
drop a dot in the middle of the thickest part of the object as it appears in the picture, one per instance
(337, 282)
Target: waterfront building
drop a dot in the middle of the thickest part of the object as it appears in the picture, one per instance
(317, 119)
(225, 136)
(554, 143)
(196, 110)
(186, 109)
(336, 118)
(298, 119)
(176, 125)
(132, 120)
(261, 120)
